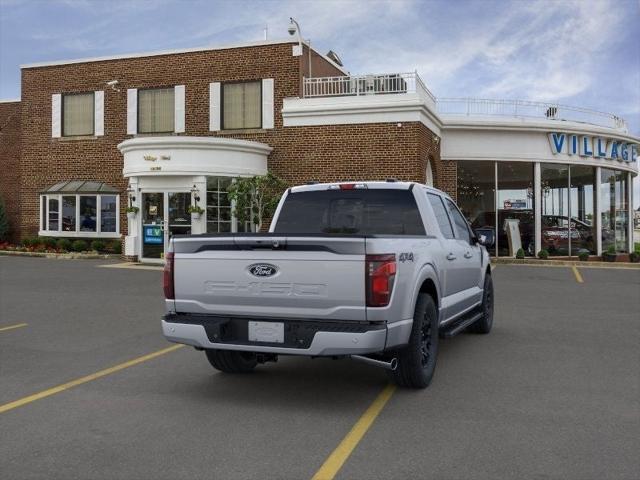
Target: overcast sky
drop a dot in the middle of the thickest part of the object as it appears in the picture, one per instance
(583, 52)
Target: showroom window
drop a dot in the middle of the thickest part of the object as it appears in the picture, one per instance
(477, 198)
(78, 114)
(614, 210)
(241, 105)
(78, 209)
(516, 223)
(156, 110)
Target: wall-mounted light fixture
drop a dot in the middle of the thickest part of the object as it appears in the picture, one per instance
(132, 196)
(195, 193)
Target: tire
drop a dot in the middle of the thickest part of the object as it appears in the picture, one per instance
(230, 361)
(484, 323)
(417, 361)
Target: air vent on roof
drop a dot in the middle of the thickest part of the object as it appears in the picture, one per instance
(334, 57)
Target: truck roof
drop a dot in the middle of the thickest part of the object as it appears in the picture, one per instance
(374, 184)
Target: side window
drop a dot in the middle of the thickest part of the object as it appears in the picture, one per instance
(441, 215)
(462, 228)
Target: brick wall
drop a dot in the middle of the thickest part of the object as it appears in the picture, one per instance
(300, 154)
(10, 162)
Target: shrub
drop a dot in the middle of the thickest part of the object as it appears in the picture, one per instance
(543, 254)
(520, 253)
(48, 242)
(29, 242)
(115, 247)
(79, 246)
(98, 245)
(583, 256)
(611, 250)
(64, 244)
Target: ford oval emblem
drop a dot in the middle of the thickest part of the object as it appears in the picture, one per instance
(263, 270)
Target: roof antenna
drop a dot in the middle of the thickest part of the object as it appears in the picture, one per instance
(266, 33)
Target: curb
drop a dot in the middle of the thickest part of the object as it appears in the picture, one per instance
(564, 263)
(63, 256)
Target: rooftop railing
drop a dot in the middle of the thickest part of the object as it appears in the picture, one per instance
(357, 85)
(528, 109)
(401, 83)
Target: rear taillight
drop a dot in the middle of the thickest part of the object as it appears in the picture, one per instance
(380, 275)
(169, 292)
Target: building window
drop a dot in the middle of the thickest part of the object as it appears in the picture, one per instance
(614, 210)
(69, 213)
(220, 218)
(241, 105)
(477, 198)
(515, 206)
(156, 110)
(108, 213)
(78, 215)
(88, 213)
(78, 114)
(218, 205)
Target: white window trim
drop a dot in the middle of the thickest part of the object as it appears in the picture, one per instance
(78, 233)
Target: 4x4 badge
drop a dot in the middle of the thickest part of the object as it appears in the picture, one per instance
(263, 270)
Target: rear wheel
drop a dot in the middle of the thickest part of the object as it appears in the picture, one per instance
(230, 361)
(484, 324)
(417, 361)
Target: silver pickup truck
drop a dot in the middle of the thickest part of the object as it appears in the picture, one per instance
(375, 271)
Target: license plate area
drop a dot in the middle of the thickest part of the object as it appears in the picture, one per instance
(266, 332)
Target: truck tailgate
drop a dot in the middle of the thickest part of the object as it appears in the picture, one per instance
(319, 278)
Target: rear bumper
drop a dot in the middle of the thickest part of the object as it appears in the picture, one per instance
(302, 337)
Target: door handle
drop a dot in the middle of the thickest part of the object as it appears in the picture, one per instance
(468, 255)
(451, 256)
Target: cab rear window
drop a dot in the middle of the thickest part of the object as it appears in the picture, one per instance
(356, 212)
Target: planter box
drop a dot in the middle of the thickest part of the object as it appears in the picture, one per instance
(196, 216)
(610, 257)
(131, 216)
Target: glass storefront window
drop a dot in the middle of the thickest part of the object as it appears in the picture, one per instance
(75, 215)
(515, 206)
(53, 214)
(88, 214)
(476, 197)
(69, 214)
(108, 213)
(614, 210)
(582, 201)
(554, 181)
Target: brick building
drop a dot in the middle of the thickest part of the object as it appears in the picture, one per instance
(160, 131)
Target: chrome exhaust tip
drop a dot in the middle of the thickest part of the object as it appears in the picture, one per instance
(390, 365)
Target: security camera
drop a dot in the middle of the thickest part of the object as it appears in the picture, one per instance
(292, 29)
(112, 83)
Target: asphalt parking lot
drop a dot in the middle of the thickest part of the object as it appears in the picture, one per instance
(552, 392)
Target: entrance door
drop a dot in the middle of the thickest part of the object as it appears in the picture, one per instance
(163, 214)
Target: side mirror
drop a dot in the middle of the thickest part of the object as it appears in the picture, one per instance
(485, 237)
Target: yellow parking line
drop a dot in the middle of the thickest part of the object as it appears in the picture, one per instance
(333, 464)
(11, 327)
(94, 376)
(577, 274)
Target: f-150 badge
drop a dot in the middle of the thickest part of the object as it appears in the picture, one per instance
(263, 270)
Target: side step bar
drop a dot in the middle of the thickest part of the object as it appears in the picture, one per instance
(459, 325)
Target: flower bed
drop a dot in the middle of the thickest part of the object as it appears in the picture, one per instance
(52, 245)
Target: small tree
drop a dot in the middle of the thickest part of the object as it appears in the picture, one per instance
(4, 222)
(255, 198)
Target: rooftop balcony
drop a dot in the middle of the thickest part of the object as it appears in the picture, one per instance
(411, 83)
